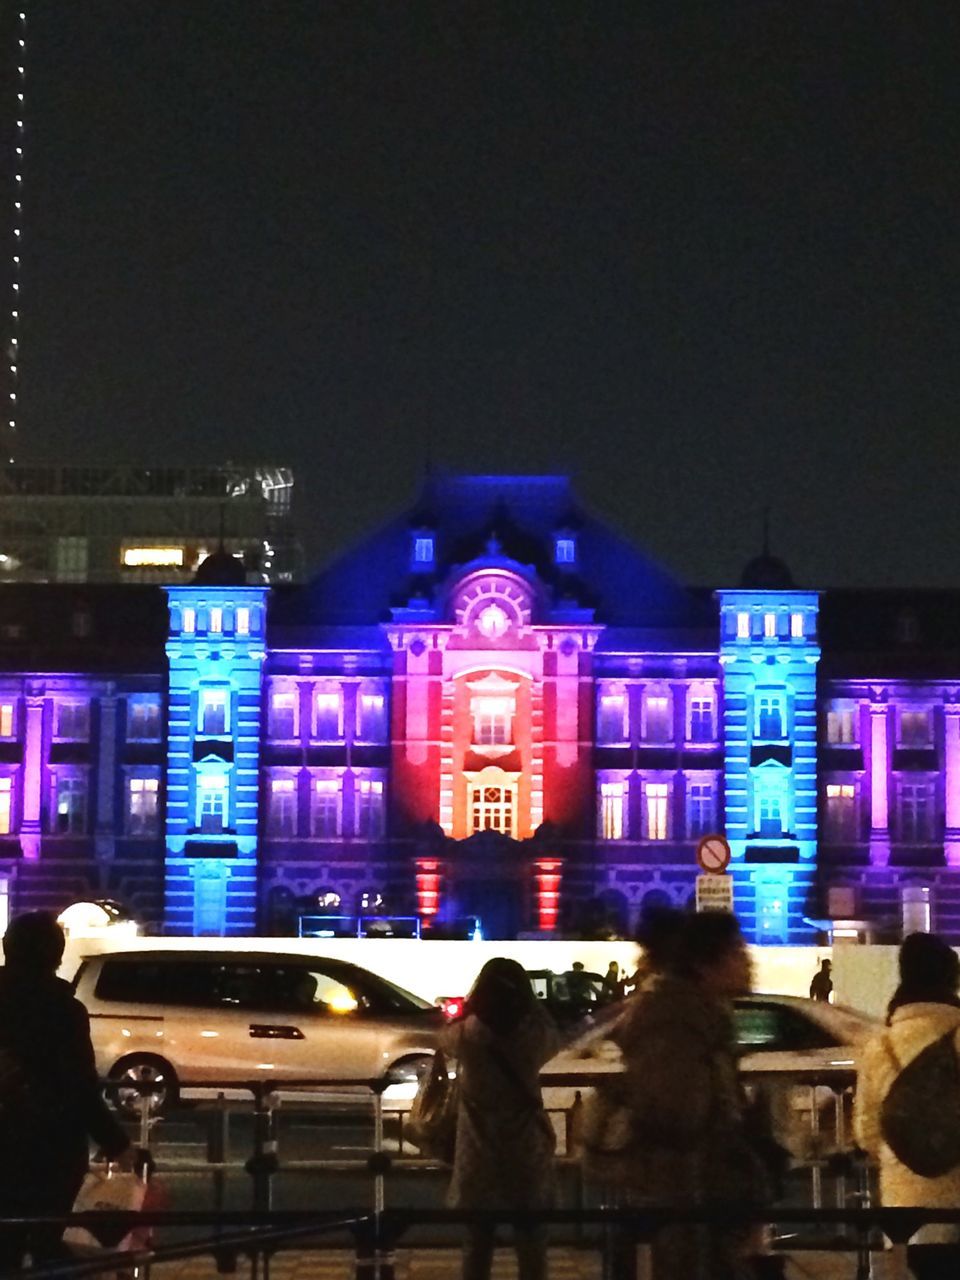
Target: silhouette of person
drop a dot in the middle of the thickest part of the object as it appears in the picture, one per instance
(50, 1098)
(821, 987)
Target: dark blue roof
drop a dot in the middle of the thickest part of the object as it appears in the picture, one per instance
(523, 513)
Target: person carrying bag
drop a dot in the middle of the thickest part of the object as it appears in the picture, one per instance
(907, 1104)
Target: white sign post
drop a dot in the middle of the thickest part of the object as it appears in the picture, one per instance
(715, 886)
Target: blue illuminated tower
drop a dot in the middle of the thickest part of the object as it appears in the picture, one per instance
(215, 650)
(769, 654)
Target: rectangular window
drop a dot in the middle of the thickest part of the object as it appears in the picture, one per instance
(612, 798)
(188, 620)
(612, 718)
(371, 717)
(213, 792)
(772, 923)
(143, 806)
(73, 720)
(565, 551)
(492, 809)
(283, 807)
(770, 719)
(701, 719)
(796, 626)
(152, 557)
(214, 720)
(242, 624)
(6, 719)
(325, 808)
(915, 727)
(770, 626)
(841, 812)
(657, 718)
(770, 813)
(328, 716)
(216, 620)
(916, 812)
(743, 626)
(701, 809)
(842, 724)
(70, 804)
(423, 550)
(492, 721)
(143, 719)
(657, 800)
(6, 806)
(368, 794)
(284, 704)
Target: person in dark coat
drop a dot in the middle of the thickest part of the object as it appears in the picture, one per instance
(821, 988)
(50, 1099)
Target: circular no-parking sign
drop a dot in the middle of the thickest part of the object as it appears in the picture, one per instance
(713, 855)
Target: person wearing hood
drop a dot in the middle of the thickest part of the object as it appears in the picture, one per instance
(51, 1104)
(925, 1007)
(692, 1145)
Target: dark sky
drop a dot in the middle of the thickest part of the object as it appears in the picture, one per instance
(704, 256)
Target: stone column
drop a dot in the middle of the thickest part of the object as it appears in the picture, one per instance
(879, 775)
(30, 829)
(105, 830)
(951, 838)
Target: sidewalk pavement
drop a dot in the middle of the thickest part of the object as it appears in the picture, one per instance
(444, 1264)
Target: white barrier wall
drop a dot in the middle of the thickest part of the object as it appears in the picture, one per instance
(435, 968)
(865, 977)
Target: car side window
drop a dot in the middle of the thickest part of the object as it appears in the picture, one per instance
(154, 982)
(774, 1028)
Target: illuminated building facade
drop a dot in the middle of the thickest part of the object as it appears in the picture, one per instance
(495, 708)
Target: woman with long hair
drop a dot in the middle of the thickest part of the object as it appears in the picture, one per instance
(924, 1009)
(505, 1143)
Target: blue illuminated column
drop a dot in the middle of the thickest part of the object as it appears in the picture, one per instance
(769, 655)
(215, 651)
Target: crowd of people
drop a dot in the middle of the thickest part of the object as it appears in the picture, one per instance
(675, 1129)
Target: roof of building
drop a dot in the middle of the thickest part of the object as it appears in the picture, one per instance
(481, 520)
(53, 627)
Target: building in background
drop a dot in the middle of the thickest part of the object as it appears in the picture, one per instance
(495, 709)
(144, 524)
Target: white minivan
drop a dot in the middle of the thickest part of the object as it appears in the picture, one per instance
(190, 1022)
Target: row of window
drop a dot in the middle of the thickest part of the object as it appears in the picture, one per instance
(770, 626)
(71, 719)
(218, 620)
(68, 810)
(657, 819)
(913, 813)
(328, 710)
(655, 709)
(327, 812)
(913, 725)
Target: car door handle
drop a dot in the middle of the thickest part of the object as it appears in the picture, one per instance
(271, 1031)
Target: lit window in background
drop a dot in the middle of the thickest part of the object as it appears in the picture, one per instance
(770, 626)
(6, 720)
(216, 619)
(796, 626)
(188, 620)
(743, 626)
(243, 622)
(153, 557)
(6, 795)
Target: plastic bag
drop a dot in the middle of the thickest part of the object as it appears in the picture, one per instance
(432, 1123)
(106, 1190)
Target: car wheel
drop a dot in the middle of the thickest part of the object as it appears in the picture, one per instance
(141, 1069)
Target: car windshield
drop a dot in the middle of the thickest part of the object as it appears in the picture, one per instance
(385, 996)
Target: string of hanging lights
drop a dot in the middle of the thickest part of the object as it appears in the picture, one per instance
(13, 350)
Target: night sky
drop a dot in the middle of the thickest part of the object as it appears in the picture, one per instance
(703, 256)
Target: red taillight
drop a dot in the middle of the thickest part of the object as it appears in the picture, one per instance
(452, 1006)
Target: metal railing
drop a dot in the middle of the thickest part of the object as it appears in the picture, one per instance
(829, 1152)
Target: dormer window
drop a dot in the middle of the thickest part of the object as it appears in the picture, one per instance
(423, 550)
(565, 549)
